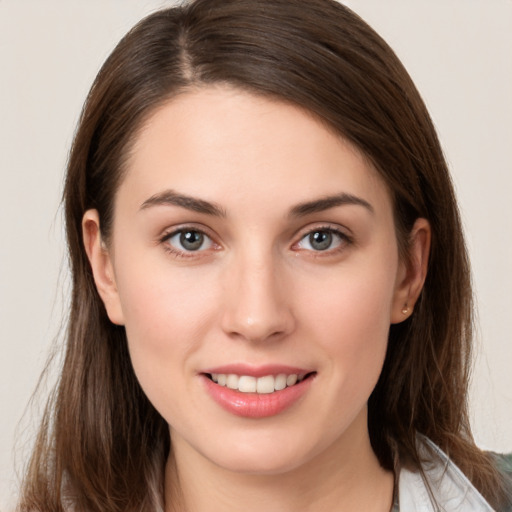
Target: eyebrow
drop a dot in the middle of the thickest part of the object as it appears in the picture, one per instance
(172, 198)
(325, 203)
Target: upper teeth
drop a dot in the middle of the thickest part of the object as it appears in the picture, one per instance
(249, 384)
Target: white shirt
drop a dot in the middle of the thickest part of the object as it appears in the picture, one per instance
(444, 482)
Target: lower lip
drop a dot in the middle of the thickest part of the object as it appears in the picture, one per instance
(255, 405)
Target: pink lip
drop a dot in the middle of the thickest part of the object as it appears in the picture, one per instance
(257, 371)
(254, 405)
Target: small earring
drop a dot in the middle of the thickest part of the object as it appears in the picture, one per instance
(405, 309)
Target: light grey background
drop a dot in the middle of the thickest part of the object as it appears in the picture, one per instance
(459, 52)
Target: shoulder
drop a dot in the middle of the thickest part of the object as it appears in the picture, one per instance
(503, 463)
(441, 484)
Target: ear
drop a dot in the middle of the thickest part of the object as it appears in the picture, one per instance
(101, 264)
(412, 272)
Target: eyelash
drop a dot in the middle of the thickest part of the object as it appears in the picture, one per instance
(344, 241)
(164, 240)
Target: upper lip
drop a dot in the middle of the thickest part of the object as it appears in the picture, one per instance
(256, 371)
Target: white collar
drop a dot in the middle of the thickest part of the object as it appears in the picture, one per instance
(444, 481)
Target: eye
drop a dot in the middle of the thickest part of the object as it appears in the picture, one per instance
(189, 240)
(324, 239)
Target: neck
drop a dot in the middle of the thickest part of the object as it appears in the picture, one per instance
(344, 477)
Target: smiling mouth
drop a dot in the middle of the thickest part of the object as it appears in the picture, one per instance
(261, 385)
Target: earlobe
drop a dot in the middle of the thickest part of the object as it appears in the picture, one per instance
(101, 264)
(413, 272)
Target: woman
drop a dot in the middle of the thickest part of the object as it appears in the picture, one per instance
(271, 298)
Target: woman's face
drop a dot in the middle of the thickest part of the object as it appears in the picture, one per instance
(253, 247)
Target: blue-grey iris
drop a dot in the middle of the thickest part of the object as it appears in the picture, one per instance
(191, 240)
(320, 240)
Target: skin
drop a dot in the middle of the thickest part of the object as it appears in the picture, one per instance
(257, 292)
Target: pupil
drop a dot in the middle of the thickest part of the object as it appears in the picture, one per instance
(320, 240)
(191, 240)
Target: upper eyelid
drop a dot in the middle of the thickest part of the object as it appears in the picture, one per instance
(171, 231)
(334, 228)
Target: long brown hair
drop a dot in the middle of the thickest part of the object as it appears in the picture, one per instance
(102, 446)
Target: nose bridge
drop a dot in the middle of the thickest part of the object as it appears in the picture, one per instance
(258, 306)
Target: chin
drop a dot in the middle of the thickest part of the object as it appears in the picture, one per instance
(263, 466)
(261, 457)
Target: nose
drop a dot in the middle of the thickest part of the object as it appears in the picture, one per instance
(258, 305)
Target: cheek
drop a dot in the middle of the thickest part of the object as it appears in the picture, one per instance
(162, 303)
(166, 317)
(351, 318)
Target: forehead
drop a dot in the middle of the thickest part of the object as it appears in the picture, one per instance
(223, 143)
